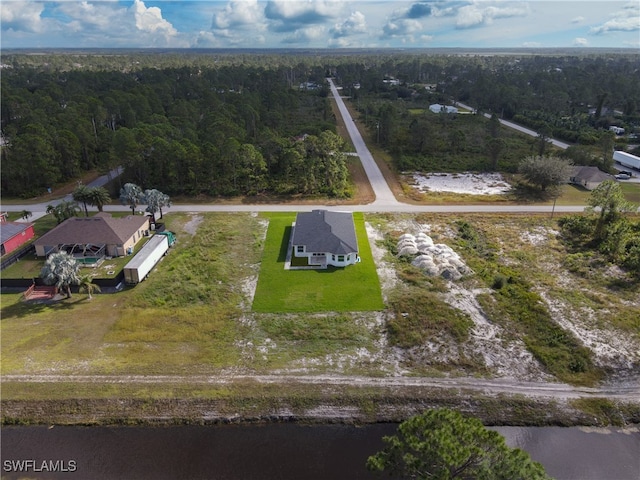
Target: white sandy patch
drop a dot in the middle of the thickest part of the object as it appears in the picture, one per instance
(386, 272)
(470, 183)
(504, 358)
(610, 348)
(538, 235)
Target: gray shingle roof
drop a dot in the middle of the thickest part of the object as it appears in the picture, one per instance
(97, 230)
(325, 231)
(589, 174)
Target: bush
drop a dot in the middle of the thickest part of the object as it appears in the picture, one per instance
(499, 281)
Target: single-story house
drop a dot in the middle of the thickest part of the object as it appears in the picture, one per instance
(325, 238)
(588, 177)
(97, 236)
(437, 108)
(14, 234)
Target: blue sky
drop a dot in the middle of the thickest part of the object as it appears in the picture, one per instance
(320, 23)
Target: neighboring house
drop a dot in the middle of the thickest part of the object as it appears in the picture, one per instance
(14, 234)
(97, 236)
(325, 238)
(588, 177)
(437, 108)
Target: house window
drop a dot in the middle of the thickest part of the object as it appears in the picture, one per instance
(300, 248)
(333, 257)
(341, 258)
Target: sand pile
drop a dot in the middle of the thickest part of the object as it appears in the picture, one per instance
(434, 259)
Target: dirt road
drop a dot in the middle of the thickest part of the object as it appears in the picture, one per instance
(625, 392)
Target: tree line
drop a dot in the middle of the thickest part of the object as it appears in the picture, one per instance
(237, 123)
(233, 130)
(575, 98)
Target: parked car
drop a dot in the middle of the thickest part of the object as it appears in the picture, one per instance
(623, 176)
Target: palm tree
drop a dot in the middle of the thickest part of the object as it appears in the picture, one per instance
(61, 269)
(130, 195)
(98, 197)
(63, 210)
(25, 214)
(81, 194)
(87, 285)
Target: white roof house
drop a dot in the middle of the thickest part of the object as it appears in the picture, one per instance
(437, 108)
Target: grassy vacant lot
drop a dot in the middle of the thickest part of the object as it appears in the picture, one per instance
(183, 318)
(355, 288)
(544, 320)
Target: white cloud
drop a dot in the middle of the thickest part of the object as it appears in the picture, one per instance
(21, 15)
(580, 42)
(150, 20)
(469, 16)
(401, 27)
(306, 35)
(480, 14)
(240, 24)
(625, 20)
(302, 11)
(356, 23)
(94, 17)
(239, 13)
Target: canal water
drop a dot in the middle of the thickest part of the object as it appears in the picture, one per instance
(280, 451)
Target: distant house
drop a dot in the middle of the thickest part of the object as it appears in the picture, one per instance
(325, 238)
(588, 177)
(437, 108)
(14, 234)
(97, 236)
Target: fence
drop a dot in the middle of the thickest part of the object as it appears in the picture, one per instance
(17, 255)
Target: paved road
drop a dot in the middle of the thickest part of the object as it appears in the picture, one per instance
(384, 195)
(519, 128)
(385, 200)
(39, 210)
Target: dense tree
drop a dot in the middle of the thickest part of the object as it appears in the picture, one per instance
(98, 197)
(442, 444)
(81, 195)
(610, 203)
(63, 210)
(61, 269)
(131, 194)
(167, 118)
(495, 146)
(545, 171)
(607, 230)
(155, 200)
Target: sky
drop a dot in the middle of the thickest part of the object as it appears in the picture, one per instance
(320, 24)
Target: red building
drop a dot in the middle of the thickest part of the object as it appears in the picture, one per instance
(14, 234)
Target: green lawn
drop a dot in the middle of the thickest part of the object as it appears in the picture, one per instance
(354, 288)
(576, 195)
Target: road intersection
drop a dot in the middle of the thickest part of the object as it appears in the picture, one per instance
(385, 201)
